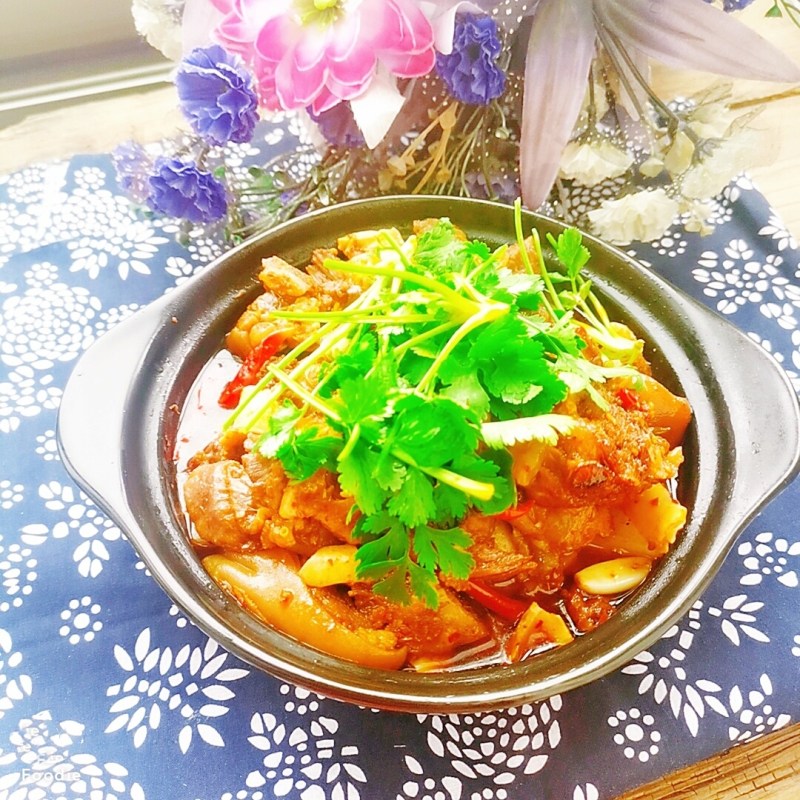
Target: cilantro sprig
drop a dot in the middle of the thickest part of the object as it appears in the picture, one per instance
(414, 392)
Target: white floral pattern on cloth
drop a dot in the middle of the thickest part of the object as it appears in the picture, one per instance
(77, 517)
(18, 571)
(492, 749)
(770, 557)
(302, 756)
(39, 765)
(191, 685)
(109, 686)
(15, 685)
(738, 618)
(665, 677)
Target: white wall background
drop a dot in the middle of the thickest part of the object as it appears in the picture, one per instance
(36, 27)
(54, 52)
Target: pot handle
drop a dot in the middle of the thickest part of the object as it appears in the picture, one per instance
(763, 408)
(93, 406)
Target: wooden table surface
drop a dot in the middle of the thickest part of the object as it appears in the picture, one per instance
(765, 769)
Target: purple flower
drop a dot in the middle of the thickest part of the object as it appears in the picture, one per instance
(338, 126)
(133, 166)
(470, 71)
(217, 95)
(502, 188)
(733, 5)
(180, 189)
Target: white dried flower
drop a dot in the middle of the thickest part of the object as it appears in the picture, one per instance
(641, 216)
(711, 120)
(711, 175)
(589, 163)
(696, 215)
(159, 23)
(651, 167)
(680, 154)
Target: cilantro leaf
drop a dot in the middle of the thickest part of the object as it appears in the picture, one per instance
(441, 250)
(383, 537)
(356, 477)
(386, 560)
(477, 250)
(557, 340)
(413, 502)
(415, 364)
(466, 390)
(451, 504)
(404, 580)
(495, 468)
(354, 363)
(510, 362)
(443, 549)
(460, 362)
(423, 584)
(389, 472)
(520, 288)
(543, 428)
(393, 584)
(365, 397)
(305, 452)
(431, 431)
(570, 251)
(552, 391)
(279, 429)
(360, 398)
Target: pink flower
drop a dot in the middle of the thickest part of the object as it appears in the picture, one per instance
(318, 53)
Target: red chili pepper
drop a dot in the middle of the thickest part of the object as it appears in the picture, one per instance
(501, 604)
(513, 512)
(250, 370)
(628, 399)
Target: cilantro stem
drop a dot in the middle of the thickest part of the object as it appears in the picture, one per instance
(619, 347)
(523, 251)
(599, 309)
(417, 340)
(344, 314)
(463, 305)
(599, 323)
(335, 335)
(497, 255)
(352, 440)
(549, 331)
(488, 313)
(545, 273)
(259, 387)
(472, 488)
(478, 489)
(390, 243)
(326, 336)
(464, 285)
(356, 317)
(526, 261)
(304, 394)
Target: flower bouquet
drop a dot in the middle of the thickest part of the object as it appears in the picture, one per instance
(543, 99)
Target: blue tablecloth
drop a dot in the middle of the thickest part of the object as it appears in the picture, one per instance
(108, 691)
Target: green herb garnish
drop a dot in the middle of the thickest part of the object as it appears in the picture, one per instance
(424, 381)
